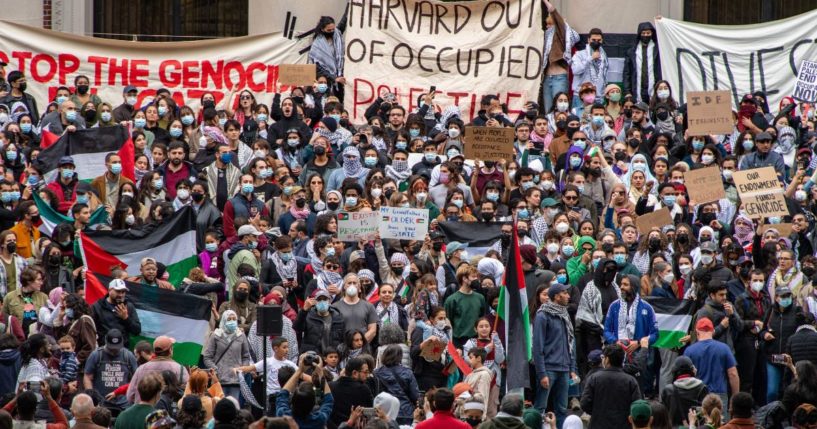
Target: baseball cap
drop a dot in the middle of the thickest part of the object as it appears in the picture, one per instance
(594, 357)
(704, 325)
(295, 190)
(129, 88)
(556, 288)
(763, 136)
(163, 343)
(748, 98)
(587, 86)
(66, 160)
(114, 340)
(436, 234)
(117, 284)
(159, 419)
(782, 290)
(453, 247)
(642, 106)
(549, 202)
(640, 410)
(247, 230)
(320, 293)
(709, 246)
(357, 254)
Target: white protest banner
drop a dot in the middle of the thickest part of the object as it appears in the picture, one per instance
(464, 49)
(353, 226)
(741, 58)
(806, 88)
(403, 223)
(50, 59)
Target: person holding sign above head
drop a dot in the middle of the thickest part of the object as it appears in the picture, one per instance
(559, 41)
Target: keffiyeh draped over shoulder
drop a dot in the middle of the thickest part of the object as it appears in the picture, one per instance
(328, 56)
(448, 113)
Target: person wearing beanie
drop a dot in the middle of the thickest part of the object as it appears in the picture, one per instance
(554, 353)
(685, 392)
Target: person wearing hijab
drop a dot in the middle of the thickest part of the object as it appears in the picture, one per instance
(226, 349)
(490, 267)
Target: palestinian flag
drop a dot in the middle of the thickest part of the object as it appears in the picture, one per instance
(51, 218)
(172, 243)
(88, 148)
(513, 311)
(673, 318)
(479, 236)
(179, 315)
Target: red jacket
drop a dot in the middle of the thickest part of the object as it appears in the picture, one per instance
(64, 205)
(443, 420)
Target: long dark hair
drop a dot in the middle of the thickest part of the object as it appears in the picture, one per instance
(323, 22)
(32, 347)
(79, 305)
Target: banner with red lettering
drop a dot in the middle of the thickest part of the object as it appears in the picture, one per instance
(465, 49)
(50, 59)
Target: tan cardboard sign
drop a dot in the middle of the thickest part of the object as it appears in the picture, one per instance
(489, 143)
(704, 185)
(297, 74)
(709, 112)
(760, 192)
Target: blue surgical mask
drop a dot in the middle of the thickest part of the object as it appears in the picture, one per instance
(322, 306)
(414, 132)
(227, 157)
(15, 195)
(33, 180)
(67, 173)
(221, 122)
(774, 220)
(458, 203)
(5, 197)
(247, 188)
(598, 120)
(492, 196)
(697, 145)
(116, 168)
(526, 185)
(581, 188)
(669, 200)
(523, 214)
(575, 161)
(82, 199)
(25, 127)
(253, 244)
(581, 144)
(351, 201)
(140, 122)
(561, 278)
(211, 247)
(286, 257)
(61, 99)
(330, 251)
(266, 173)
(785, 302)
(595, 262)
(748, 145)
(175, 132)
(158, 183)
(71, 115)
(231, 325)
(452, 153)
(322, 87)
(568, 250)
(69, 313)
(11, 155)
(370, 161)
(336, 117)
(187, 119)
(261, 117)
(162, 110)
(401, 145)
(431, 156)
(620, 259)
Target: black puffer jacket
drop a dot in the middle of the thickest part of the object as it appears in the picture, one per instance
(681, 395)
(803, 344)
(310, 327)
(781, 324)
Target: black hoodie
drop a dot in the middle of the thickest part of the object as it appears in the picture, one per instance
(631, 69)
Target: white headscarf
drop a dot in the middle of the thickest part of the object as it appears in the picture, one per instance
(493, 268)
(388, 404)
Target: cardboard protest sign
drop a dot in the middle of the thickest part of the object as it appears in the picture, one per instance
(403, 223)
(760, 192)
(704, 185)
(52, 59)
(656, 219)
(352, 226)
(709, 112)
(297, 74)
(465, 49)
(785, 229)
(489, 143)
(432, 350)
(806, 88)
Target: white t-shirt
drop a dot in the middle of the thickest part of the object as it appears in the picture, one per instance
(273, 365)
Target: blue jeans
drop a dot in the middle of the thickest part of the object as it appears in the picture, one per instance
(774, 374)
(558, 388)
(553, 85)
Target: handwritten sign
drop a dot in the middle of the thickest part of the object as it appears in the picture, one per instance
(709, 112)
(403, 223)
(704, 185)
(806, 88)
(489, 143)
(657, 219)
(356, 225)
(760, 192)
(296, 74)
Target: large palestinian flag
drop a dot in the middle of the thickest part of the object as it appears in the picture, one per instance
(513, 311)
(673, 318)
(172, 243)
(51, 218)
(179, 315)
(479, 236)
(88, 148)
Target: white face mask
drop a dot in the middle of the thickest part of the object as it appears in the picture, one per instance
(669, 277)
(562, 106)
(553, 248)
(376, 192)
(757, 286)
(547, 185)
(440, 324)
(453, 132)
(562, 227)
(351, 291)
(685, 269)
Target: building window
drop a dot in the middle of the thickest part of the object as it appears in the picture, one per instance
(738, 12)
(170, 20)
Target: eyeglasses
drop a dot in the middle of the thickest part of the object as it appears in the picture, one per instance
(569, 197)
(331, 267)
(246, 97)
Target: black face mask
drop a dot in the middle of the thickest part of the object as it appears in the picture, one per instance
(241, 296)
(809, 271)
(522, 233)
(332, 205)
(474, 284)
(90, 115)
(662, 115)
(595, 45)
(208, 104)
(707, 218)
(487, 216)
(437, 246)
(609, 276)
(473, 421)
(82, 89)
(388, 192)
(490, 164)
(22, 87)
(412, 277)
(11, 247)
(35, 219)
(570, 131)
(328, 33)
(197, 197)
(506, 239)
(646, 39)
(682, 238)
(627, 113)
(634, 143)
(300, 202)
(54, 260)
(655, 244)
(397, 271)
(320, 150)
(607, 247)
(561, 125)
